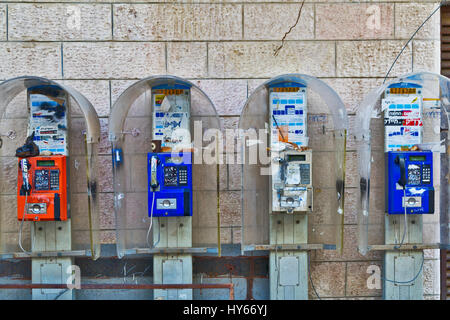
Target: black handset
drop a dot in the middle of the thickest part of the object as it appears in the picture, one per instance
(401, 162)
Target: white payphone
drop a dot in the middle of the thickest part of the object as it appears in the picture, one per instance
(292, 189)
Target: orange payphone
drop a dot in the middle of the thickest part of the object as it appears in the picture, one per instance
(42, 188)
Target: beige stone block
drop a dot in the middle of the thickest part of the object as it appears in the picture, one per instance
(8, 213)
(431, 253)
(96, 91)
(37, 59)
(104, 147)
(228, 96)
(376, 134)
(427, 56)
(272, 21)
(79, 213)
(137, 214)
(187, 59)
(328, 279)
(237, 235)
(377, 170)
(3, 22)
(354, 21)
(108, 237)
(253, 84)
(19, 127)
(59, 22)
(8, 175)
(107, 216)
(358, 276)
(223, 177)
(105, 60)
(352, 91)
(257, 59)
(142, 142)
(431, 277)
(17, 107)
(234, 176)
(324, 166)
(230, 208)
(409, 16)
(140, 107)
(77, 136)
(225, 235)
(178, 21)
(204, 209)
(78, 178)
(230, 123)
(105, 178)
(204, 177)
(139, 175)
(372, 58)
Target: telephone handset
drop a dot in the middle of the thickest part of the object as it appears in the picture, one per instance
(154, 181)
(25, 166)
(401, 162)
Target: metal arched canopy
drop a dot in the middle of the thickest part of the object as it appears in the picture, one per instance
(10, 88)
(123, 104)
(329, 96)
(368, 105)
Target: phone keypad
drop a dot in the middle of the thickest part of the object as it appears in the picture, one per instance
(182, 176)
(54, 179)
(426, 174)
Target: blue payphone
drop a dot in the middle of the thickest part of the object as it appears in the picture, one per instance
(413, 172)
(170, 184)
(170, 162)
(409, 172)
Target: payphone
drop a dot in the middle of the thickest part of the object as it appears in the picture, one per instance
(292, 189)
(170, 163)
(42, 175)
(408, 170)
(409, 177)
(42, 189)
(170, 183)
(293, 183)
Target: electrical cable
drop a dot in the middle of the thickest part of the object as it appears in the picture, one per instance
(61, 293)
(151, 221)
(310, 277)
(21, 225)
(405, 226)
(413, 279)
(410, 39)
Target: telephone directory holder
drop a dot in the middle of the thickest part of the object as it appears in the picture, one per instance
(42, 189)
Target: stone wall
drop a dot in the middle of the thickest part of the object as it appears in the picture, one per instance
(226, 47)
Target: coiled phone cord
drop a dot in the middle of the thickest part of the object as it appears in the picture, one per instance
(21, 226)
